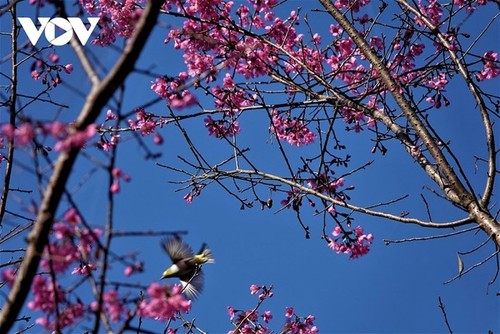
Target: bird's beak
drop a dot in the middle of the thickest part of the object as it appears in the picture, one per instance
(165, 274)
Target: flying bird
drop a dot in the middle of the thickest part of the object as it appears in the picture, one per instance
(186, 265)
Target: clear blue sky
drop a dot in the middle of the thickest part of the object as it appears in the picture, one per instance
(393, 289)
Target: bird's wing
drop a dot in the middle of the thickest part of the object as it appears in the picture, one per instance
(192, 285)
(176, 249)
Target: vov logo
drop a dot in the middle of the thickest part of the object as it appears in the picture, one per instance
(69, 25)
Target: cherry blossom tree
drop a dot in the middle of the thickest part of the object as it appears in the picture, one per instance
(330, 99)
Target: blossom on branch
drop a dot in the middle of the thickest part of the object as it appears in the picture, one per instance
(291, 130)
(164, 302)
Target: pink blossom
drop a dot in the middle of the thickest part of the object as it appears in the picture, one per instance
(71, 216)
(67, 316)
(117, 174)
(88, 240)
(231, 312)
(8, 131)
(24, 134)
(53, 57)
(84, 270)
(355, 6)
(417, 49)
(221, 129)
(336, 29)
(263, 5)
(188, 198)
(289, 312)
(160, 87)
(129, 270)
(336, 231)
(316, 39)
(163, 302)
(491, 69)
(157, 139)
(117, 18)
(113, 306)
(68, 68)
(35, 74)
(293, 131)
(230, 96)
(356, 246)
(77, 139)
(294, 199)
(59, 255)
(56, 129)
(44, 295)
(344, 48)
(266, 316)
(115, 187)
(254, 289)
(432, 12)
(438, 82)
(8, 276)
(183, 100)
(110, 115)
(377, 43)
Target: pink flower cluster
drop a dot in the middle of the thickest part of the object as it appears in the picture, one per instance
(433, 12)
(164, 302)
(172, 92)
(354, 5)
(105, 143)
(437, 83)
(230, 96)
(118, 174)
(293, 199)
(8, 276)
(65, 135)
(49, 73)
(355, 243)
(137, 267)
(323, 184)
(248, 321)
(113, 306)
(298, 325)
(76, 139)
(71, 244)
(291, 130)
(470, 4)
(194, 192)
(146, 123)
(222, 128)
(491, 69)
(49, 298)
(116, 18)
(264, 291)
(352, 116)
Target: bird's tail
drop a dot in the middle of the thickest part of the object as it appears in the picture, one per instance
(204, 255)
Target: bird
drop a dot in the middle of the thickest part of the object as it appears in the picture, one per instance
(185, 265)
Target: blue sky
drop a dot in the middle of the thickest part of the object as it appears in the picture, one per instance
(393, 289)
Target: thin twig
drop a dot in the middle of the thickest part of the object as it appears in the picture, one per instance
(441, 307)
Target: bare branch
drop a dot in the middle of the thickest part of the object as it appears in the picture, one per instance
(441, 307)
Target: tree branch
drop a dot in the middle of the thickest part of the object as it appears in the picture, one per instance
(307, 190)
(96, 100)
